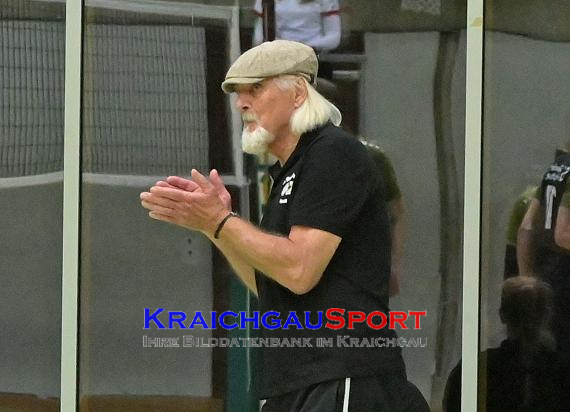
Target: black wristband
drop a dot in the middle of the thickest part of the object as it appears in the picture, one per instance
(222, 223)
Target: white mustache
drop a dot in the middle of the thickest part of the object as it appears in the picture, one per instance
(249, 117)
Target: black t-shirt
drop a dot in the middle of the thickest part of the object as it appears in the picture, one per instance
(552, 190)
(330, 183)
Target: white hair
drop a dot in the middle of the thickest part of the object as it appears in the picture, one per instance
(315, 111)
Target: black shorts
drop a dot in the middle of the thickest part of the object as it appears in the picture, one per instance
(364, 394)
(555, 269)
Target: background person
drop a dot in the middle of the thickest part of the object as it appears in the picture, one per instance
(543, 242)
(396, 209)
(391, 194)
(315, 23)
(525, 373)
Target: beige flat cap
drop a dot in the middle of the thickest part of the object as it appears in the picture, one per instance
(269, 59)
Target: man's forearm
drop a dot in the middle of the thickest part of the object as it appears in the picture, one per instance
(267, 253)
(562, 232)
(243, 270)
(525, 238)
(563, 240)
(525, 251)
(295, 263)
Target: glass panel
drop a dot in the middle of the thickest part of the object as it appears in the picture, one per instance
(398, 77)
(32, 42)
(526, 119)
(412, 88)
(152, 107)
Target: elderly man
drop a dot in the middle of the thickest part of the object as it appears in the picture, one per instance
(317, 248)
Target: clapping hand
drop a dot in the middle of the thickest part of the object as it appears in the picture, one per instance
(197, 204)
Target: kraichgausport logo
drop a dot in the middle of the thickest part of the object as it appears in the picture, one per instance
(334, 318)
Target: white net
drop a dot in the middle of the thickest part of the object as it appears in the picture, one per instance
(144, 96)
(31, 97)
(145, 108)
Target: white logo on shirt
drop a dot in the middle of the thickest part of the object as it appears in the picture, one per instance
(287, 188)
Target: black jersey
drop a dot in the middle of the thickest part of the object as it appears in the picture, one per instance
(330, 183)
(552, 189)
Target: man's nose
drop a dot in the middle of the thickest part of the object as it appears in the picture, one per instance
(242, 102)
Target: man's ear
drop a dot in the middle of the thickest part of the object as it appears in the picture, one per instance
(301, 92)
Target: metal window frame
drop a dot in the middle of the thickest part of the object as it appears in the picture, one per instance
(472, 205)
(71, 188)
